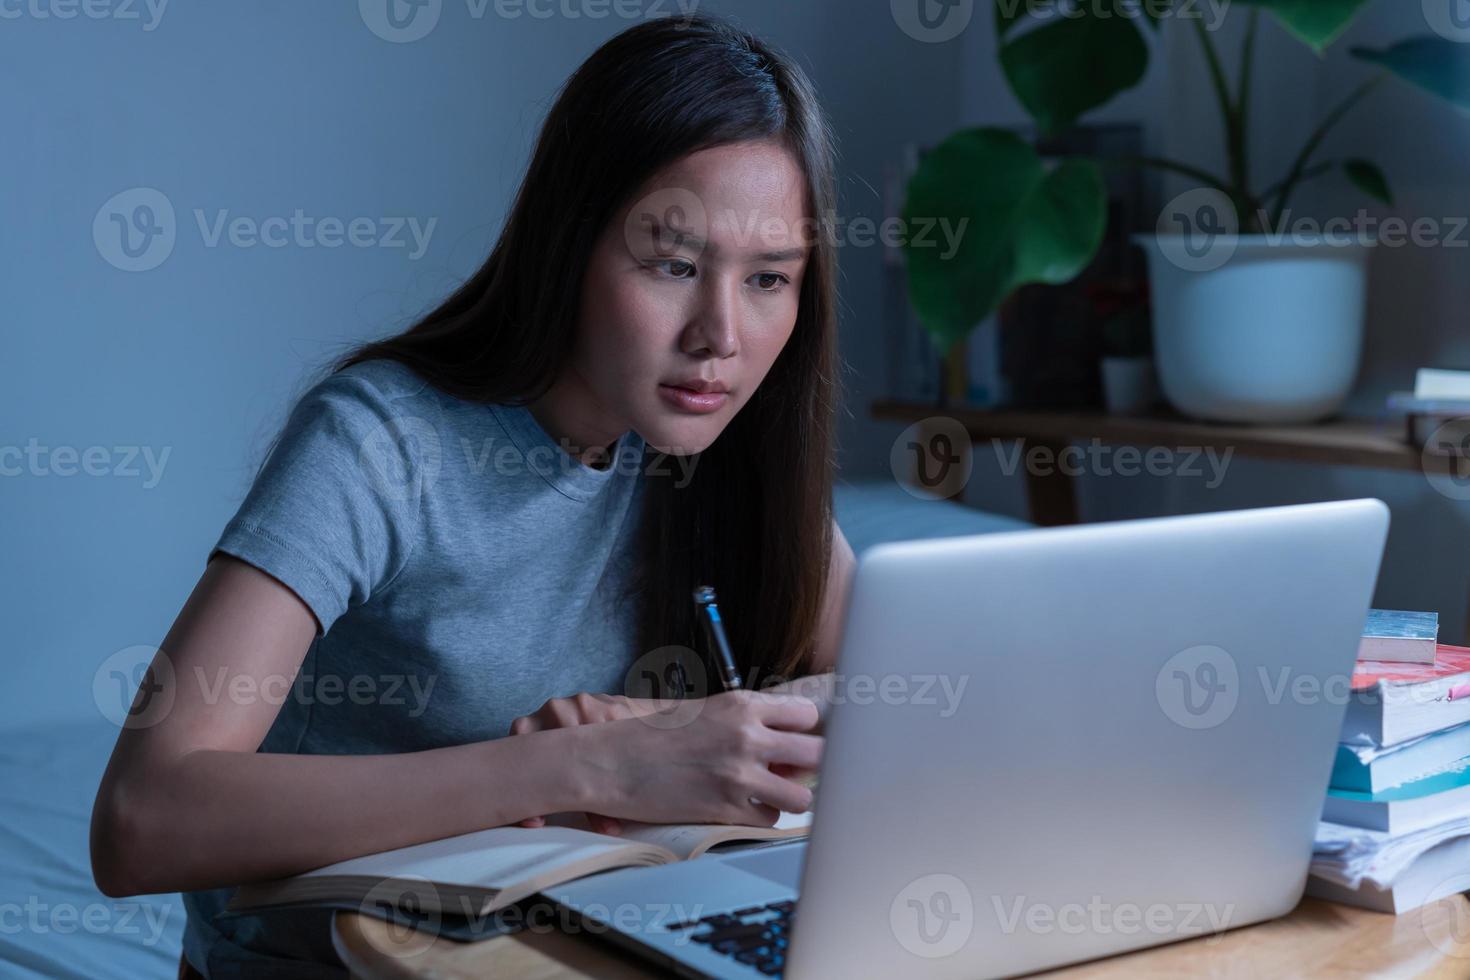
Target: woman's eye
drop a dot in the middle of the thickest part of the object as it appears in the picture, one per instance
(675, 268)
(771, 282)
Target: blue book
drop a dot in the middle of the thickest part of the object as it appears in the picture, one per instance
(1421, 803)
(1400, 637)
(1371, 768)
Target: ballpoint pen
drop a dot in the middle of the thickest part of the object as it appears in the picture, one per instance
(719, 644)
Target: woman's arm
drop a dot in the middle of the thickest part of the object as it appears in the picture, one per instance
(187, 802)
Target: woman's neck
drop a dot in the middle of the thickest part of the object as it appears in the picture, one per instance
(576, 423)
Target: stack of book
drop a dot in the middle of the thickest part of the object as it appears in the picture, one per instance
(1437, 411)
(1395, 831)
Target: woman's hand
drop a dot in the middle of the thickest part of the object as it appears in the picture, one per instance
(583, 709)
(817, 688)
(714, 760)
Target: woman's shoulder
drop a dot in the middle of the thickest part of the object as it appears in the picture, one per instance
(357, 404)
(380, 378)
(371, 392)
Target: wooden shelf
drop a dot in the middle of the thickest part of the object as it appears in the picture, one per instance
(1344, 442)
(1380, 444)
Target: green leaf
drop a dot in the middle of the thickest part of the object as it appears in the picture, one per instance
(1072, 65)
(1062, 224)
(1016, 222)
(1316, 23)
(1369, 179)
(1437, 65)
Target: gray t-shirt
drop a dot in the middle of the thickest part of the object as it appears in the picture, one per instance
(463, 568)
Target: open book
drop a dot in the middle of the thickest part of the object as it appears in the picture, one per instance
(482, 872)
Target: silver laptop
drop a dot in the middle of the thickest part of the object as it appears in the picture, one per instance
(1047, 746)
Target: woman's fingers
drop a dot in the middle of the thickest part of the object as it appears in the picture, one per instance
(604, 825)
(580, 709)
(795, 749)
(787, 712)
(598, 823)
(758, 814)
(799, 773)
(784, 794)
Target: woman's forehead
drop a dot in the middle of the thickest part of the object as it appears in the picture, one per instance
(734, 200)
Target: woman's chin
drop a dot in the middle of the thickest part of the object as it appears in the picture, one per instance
(684, 438)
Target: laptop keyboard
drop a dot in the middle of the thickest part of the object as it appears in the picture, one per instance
(757, 936)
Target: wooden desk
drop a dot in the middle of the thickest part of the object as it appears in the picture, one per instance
(1053, 500)
(1319, 939)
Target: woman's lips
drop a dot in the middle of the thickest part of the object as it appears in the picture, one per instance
(694, 402)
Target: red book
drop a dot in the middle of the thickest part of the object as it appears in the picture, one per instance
(1448, 662)
(1393, 703)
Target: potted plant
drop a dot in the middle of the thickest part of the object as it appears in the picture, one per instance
(1249, 324)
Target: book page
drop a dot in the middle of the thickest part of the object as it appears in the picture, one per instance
(496, 858)
(692, 840)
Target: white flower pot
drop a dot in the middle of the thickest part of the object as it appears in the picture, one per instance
(1251, 330)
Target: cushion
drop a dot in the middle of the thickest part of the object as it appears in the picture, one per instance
(66, 927)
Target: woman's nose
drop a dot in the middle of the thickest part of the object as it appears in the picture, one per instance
(716, 327)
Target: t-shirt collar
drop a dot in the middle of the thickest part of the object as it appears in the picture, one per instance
(542, 454)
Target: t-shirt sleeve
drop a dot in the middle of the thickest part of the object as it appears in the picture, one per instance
(334, 512)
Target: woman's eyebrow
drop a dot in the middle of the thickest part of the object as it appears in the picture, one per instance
(783, 255)
(666, 237)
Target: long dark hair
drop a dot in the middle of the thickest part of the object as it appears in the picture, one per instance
(755, 518)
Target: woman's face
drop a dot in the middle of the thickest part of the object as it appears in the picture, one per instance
(690, 294)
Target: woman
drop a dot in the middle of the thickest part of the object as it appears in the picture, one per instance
(473, 540)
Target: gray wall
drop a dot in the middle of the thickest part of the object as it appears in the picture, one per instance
(1418, 296)
(256, 110)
